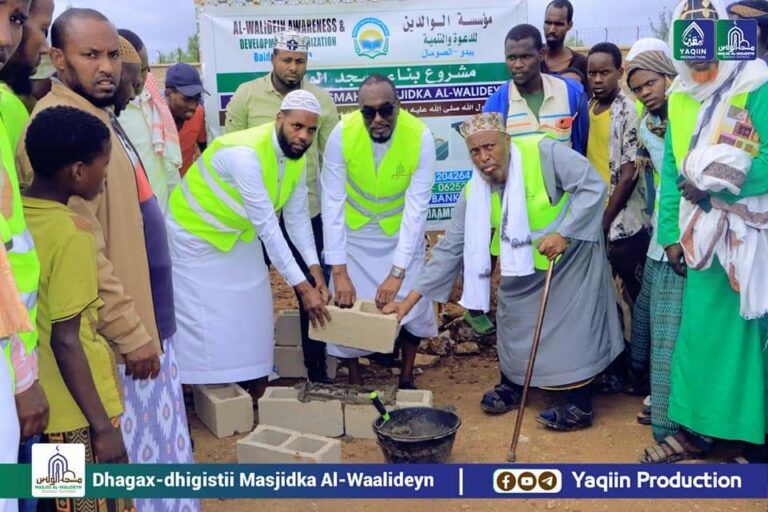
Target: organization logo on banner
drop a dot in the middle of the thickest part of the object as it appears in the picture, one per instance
(516, 481)
(371, 38)
(694, 40)
(736, 39)
(58, 470)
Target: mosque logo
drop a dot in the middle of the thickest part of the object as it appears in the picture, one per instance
(694, 40)
(736, 39)
(371, 38)
(58, 470)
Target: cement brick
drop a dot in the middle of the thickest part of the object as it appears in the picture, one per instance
(289, 362)
(332, 366)
(288, 328)
(224, 409)
(362, 326)
(358, 418)
(269, 444)
(413, 398)
(281, 407)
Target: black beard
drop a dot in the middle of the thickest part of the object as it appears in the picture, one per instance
(97, 102)
(17, 76)
(288, 151)
(555, 44)
(77, 87)
(380, 140)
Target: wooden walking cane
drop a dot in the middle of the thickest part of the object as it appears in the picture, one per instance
(511, 456)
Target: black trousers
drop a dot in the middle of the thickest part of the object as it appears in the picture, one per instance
(627, 258)
(314, 351)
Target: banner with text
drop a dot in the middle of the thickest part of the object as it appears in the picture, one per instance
(60, 478)
(445, 58)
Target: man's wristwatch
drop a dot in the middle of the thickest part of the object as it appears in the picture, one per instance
(397, 272)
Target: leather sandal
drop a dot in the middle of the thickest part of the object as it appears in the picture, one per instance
(565, 417)
(503, 398)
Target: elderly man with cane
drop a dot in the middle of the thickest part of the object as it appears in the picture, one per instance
(543, 202)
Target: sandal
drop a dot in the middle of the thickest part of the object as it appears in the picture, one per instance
(503, 398)
(644, 418)
(669, 450)
(565, 418)
(481, 324)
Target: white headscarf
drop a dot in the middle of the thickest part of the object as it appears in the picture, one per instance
(648, 44)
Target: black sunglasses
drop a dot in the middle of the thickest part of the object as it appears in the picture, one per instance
(385, 110)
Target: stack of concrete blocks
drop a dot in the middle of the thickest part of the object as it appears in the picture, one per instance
(281, 407)
(289, 355)
(273, 445)
(225, 409)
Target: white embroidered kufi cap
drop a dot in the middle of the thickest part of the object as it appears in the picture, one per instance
(292, 41)
(301, 100)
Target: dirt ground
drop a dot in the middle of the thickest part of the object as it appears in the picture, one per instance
(460, 381)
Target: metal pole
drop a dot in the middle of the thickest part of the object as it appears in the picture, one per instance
(512, 455)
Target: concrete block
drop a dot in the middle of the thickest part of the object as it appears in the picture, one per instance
(281, 407)
(362, 326)
(269, 444)
(332, 366)
(288, 328)
(359, 417)
(225, 409)
(413, 398)
(289, 362)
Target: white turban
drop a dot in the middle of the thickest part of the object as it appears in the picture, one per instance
(301, 100)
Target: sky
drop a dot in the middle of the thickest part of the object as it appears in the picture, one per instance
(151, 22)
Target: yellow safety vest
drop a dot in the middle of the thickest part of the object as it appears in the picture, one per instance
(379, 193)
(22, 255)
(685, 110)
(14, 114)
(209, 208)
(543, 218)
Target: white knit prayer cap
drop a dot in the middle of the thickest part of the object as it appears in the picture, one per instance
(301, 100)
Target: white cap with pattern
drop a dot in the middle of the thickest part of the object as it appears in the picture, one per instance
(301, 100)
(292, 41)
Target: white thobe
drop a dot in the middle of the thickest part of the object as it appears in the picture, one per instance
(368, 252)
(224, 299)
(9, 431)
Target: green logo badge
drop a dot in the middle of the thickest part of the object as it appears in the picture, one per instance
(694, 40)
(736, 39)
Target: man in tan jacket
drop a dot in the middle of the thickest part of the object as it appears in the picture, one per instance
(135, 285)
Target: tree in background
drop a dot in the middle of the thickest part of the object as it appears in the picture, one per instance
(661, 28)
(189, 55)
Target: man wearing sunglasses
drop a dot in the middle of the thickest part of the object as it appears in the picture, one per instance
(376, 185)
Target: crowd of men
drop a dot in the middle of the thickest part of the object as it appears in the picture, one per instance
(135, 255)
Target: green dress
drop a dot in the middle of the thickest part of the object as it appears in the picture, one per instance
(719, 381)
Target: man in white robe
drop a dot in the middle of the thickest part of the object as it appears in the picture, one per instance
(376, 184)
(221, 285)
